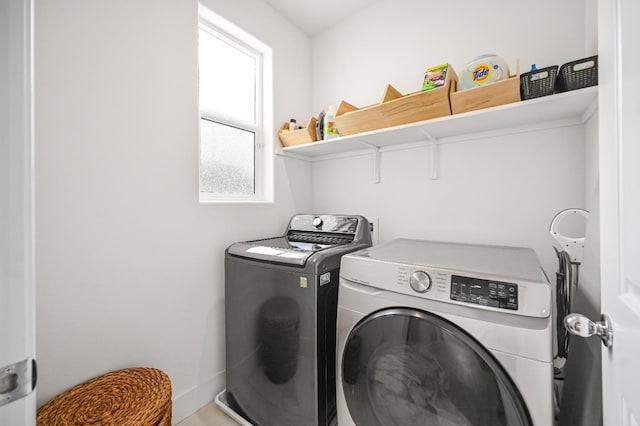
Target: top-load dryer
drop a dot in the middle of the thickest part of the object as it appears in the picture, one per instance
(433, 333)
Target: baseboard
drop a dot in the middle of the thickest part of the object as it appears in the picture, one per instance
(193, 399)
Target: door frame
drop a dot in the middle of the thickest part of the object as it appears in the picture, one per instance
(17, 292)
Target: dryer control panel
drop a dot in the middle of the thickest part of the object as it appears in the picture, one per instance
(497, 294)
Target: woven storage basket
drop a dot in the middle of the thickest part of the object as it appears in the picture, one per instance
(129, 397)
(578, 74)
(542, 82)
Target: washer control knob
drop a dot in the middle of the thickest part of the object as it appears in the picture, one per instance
(317, 222)
(420, 281)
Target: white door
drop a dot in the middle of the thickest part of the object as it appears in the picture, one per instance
(17, 298)
(619, 139)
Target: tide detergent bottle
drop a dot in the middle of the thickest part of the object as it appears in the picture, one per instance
(483, 70)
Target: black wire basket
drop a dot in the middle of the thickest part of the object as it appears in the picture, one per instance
(578, 74)
(541, 82)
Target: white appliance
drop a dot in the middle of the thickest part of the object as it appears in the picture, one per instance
(436, 333)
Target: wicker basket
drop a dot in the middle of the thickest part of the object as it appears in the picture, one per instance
(129, 397)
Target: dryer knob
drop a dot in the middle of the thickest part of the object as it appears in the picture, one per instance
(420, 281)
(317, 222)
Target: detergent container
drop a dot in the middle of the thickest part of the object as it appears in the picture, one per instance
(483, 70)
(330, 129)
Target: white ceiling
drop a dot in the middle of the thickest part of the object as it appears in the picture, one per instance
(314, 17)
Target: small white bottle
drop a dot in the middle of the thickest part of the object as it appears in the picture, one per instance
(293, 124)
(330, 129)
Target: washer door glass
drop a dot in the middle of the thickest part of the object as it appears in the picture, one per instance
(409, 367)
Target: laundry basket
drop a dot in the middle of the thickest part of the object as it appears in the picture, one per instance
(129, 397)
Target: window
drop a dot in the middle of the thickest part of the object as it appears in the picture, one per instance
(235, 97)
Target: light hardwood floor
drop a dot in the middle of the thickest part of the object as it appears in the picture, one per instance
(209, 415)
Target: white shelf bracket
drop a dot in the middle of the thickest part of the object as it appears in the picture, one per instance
(295, 156)
(434, 155)
(376, 161)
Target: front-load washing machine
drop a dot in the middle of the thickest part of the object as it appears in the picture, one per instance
(434, 333)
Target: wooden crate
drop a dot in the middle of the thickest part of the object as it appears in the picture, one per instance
(490, 95)
(300, 136)
(395, 109)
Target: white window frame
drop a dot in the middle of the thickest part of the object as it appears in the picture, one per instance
(263, 126)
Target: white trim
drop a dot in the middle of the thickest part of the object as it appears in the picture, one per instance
(17, 292)
(196, 397)
(281, 153)
(228, 120)
(213, 19)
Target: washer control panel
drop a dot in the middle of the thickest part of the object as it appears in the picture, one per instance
(424, 282)
(496, 294)
(324, 223)
(428, 274)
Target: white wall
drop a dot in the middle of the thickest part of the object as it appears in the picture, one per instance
(504, 190)
(129, 265)
(499, 190)
(591, 27)
(394, 41)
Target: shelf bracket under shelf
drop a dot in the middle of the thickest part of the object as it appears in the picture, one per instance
(293, 155)
(434, 155)
(376, 161)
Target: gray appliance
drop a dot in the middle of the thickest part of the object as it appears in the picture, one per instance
(281, 305)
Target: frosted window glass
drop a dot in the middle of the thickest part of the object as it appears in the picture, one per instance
(227, 159)
(227, 79)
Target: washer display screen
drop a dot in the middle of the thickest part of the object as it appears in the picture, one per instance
(496, 294)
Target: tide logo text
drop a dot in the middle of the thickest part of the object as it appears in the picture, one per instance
(480, 73)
